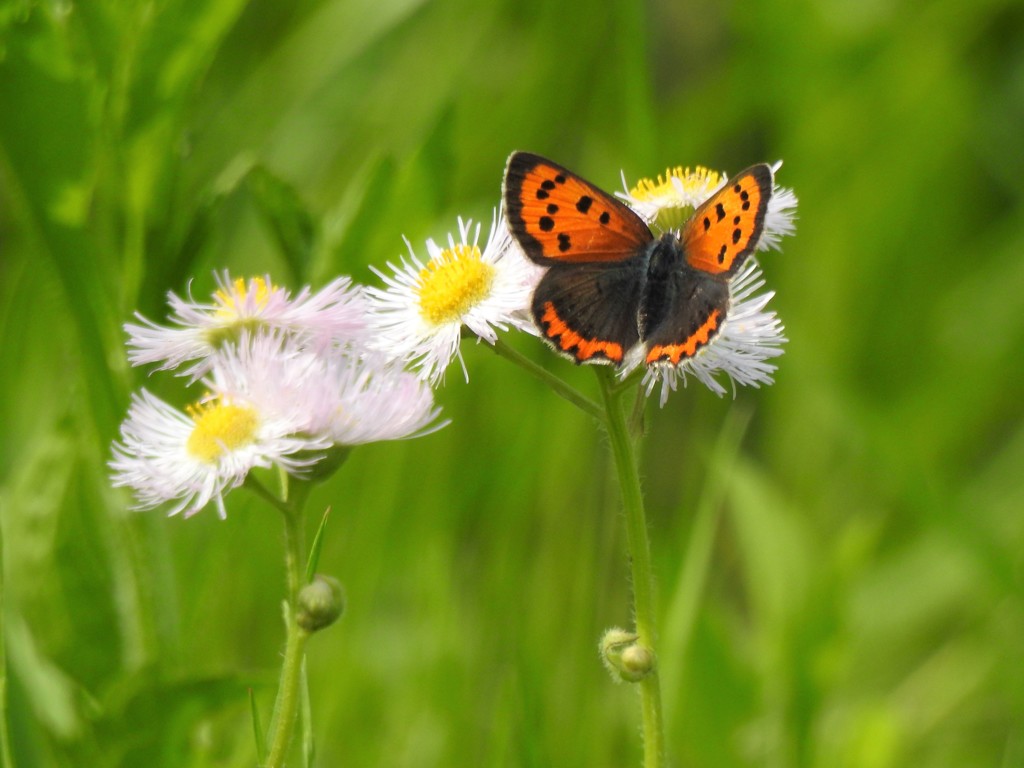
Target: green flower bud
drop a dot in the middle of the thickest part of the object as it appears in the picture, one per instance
(625, 658)
(321, 603)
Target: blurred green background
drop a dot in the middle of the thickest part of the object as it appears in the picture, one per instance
(839, 556)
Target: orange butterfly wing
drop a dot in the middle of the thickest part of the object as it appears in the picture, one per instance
(558, 217)
(725, 230)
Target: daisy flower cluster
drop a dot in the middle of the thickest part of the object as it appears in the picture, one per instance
(287, 380)
(290, 378)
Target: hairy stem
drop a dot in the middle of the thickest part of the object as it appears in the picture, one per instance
(289, 689)
(640, 560)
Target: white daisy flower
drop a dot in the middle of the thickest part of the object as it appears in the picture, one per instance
(421, 312)
(190, 459)
(336, 314)
(748, 338)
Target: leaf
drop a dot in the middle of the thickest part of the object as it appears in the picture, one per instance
(351, 227)
(150, 719)
(257, 728)
(50, 691)
(49, 169)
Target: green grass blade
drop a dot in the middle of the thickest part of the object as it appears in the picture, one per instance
(696, 562)
(314, 550)
(257, 730)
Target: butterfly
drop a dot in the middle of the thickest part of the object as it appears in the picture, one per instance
(610, 284)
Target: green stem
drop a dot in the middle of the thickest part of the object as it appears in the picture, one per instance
(560, 388)
(289, 689)
(640, 560)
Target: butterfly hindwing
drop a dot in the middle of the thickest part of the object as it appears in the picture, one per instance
(692, 314)
(725, 230)
(588, 312)
(558, 217)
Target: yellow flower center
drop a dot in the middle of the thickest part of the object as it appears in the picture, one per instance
(453, 283)
(697, 179)
(231, 304)
(220, 427)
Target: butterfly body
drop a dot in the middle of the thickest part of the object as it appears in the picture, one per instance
(610, 285)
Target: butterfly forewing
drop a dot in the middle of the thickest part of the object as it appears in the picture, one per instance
(725, 230)
(558, 217)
